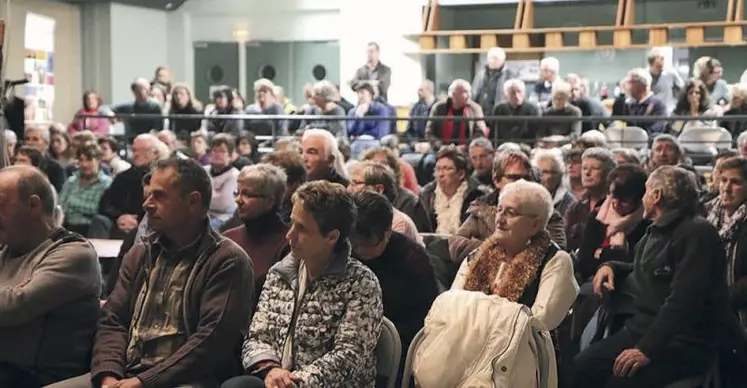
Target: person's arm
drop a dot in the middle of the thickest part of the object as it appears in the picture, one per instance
(112, 337)
(381, 128)
(110, 202)
(701, 254)
(576, 126)
(64, 195)
(355, 340)
(354, 124)
(385, 80)
(424, 292)
(67, 273)
(224, 316)
(659, 109)
(223, 201)
(257, 348)
(557, 291)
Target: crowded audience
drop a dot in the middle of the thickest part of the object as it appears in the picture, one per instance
(261, 251)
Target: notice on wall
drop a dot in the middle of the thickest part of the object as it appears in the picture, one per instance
(38, 65)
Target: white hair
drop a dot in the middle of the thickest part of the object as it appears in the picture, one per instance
(509, 146)
(10, 136)
(742, 138)
(330, 148)
(550, 63)
(264, 83)
(594, 136)
(554, 155)
(514, 83)
(162, 150)
(498, 53)
(460, 83)
(43, 132)
(150, 138)
(534, 199)
(640, 75)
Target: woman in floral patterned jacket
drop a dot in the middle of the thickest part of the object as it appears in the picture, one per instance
(319, 315)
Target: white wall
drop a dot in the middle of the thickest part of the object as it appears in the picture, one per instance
(139, 45)
(66, 49)
(352, 22)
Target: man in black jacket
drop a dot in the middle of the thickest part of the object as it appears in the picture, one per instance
(122, 202)
(678, 289)
(38, 137)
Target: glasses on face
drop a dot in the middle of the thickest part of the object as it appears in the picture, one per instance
(445, 169)
(517, 177)
(246, 194)
(508, 212)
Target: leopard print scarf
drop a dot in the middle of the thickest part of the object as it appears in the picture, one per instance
(517, 274)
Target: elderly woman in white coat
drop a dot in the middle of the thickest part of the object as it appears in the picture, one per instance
(519, 261)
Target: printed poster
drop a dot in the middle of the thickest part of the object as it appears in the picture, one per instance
(38, 65)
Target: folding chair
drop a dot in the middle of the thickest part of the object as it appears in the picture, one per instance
(388, 352)
(702, 144)
(627, 137)
(407, 374)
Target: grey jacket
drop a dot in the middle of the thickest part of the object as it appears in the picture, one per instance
(480, 87)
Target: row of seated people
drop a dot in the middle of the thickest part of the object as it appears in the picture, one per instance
(451, 177)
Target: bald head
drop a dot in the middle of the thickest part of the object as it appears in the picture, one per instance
(29, 185)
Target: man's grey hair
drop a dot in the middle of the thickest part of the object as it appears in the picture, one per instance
(640, 75)
(10, 136)
(595, 137)
(534, 199)
(428, 85)
(264, 83)
(550, 63)
(630, 155)
(497, 52)
(677, 187)
(668, 138)
(604, 156)
(269, 180)
(554, 155)
(460, 83)
(43, 132)
(742, 138)
(326, 89)
(514, 83)
(330, 148)
(482, 142)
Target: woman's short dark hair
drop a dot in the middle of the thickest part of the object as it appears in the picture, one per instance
(450, 152)
(90, 150)
(85, 99)
(330, 205)
(738, 163)
(375, 215)
(32, 153)
(224, 139)
(111, 142)
(291, 162)
(629, 182)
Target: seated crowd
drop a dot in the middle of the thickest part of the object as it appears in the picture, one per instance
(248, 268)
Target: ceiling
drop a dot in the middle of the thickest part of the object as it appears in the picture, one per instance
(169, 5)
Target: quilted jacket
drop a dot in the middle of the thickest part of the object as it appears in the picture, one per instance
(336, 328)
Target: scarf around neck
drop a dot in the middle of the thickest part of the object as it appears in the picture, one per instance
(618, 226)
(727, 230)
(485, 274)
(449, 209)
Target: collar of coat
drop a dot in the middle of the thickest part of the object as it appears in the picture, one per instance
(337, 268)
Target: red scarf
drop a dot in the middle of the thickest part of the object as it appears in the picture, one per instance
(448, 128)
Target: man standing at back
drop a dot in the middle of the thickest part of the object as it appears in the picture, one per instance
(181, 303)
(49, 286)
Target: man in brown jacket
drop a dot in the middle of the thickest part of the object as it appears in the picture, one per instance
(49, 286)
(181, 305)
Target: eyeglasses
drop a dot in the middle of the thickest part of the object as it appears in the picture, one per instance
(517, 177)
(509, 213)
(247, 195)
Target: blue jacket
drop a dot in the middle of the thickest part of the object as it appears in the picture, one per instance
(375, 128)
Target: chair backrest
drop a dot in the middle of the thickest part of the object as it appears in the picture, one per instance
(388, 352)
(627, 137)
(698, 139)
(407, 373)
